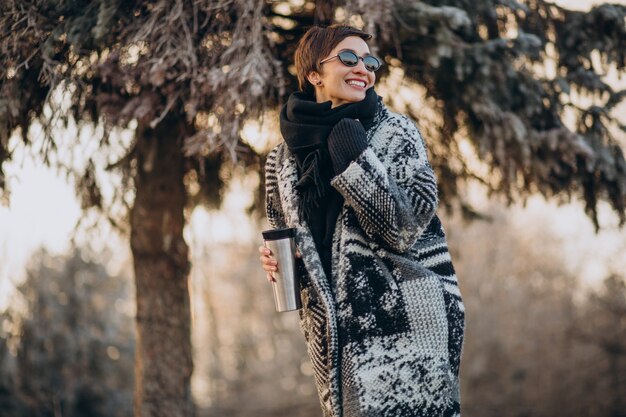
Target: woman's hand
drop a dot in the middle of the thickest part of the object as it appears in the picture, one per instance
(269, 263)
(346, 141)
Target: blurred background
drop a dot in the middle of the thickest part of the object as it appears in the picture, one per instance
(543, 284)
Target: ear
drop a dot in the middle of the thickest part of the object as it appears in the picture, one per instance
(313, 77)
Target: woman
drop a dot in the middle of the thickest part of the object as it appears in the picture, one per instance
(382, 313)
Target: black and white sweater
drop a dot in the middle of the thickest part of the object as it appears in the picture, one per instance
(385, 331)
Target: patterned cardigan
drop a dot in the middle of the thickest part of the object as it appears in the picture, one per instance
(385, 332)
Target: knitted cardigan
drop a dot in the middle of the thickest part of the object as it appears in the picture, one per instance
(385, 332)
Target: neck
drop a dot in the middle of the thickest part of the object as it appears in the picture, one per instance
(320, 97)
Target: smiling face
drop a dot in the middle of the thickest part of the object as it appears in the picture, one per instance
(341, 84)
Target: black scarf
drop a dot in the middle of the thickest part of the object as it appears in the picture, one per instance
(305, 126)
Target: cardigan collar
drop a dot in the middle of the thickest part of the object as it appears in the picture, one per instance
(287, 178)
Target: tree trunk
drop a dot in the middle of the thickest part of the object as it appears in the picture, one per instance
(163, 362)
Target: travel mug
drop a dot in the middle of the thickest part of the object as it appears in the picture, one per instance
(287, 286)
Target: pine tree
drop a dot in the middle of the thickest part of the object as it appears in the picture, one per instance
(70, 347)
(185, 75)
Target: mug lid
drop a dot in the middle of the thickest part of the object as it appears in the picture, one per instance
(275, 234)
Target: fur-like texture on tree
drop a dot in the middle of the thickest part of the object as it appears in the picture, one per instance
(500, 74)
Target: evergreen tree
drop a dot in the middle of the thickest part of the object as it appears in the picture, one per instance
(67, 346)
(184, 75)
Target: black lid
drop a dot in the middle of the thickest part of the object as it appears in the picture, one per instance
(275, 234)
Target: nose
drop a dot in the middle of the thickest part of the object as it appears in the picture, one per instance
(360, 67)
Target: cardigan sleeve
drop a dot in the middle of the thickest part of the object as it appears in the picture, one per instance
(273, 208)
(393, 204)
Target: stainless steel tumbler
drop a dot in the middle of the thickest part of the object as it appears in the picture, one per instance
(287, 286)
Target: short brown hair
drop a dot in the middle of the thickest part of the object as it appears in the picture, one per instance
(315, 44)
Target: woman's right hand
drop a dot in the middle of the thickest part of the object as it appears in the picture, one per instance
(268, 262)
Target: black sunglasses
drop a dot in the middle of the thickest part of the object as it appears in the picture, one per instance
(351, 59)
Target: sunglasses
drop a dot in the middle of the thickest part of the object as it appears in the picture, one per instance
(351, 59)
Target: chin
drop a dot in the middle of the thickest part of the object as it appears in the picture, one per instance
(356, 96)
(359, 96)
